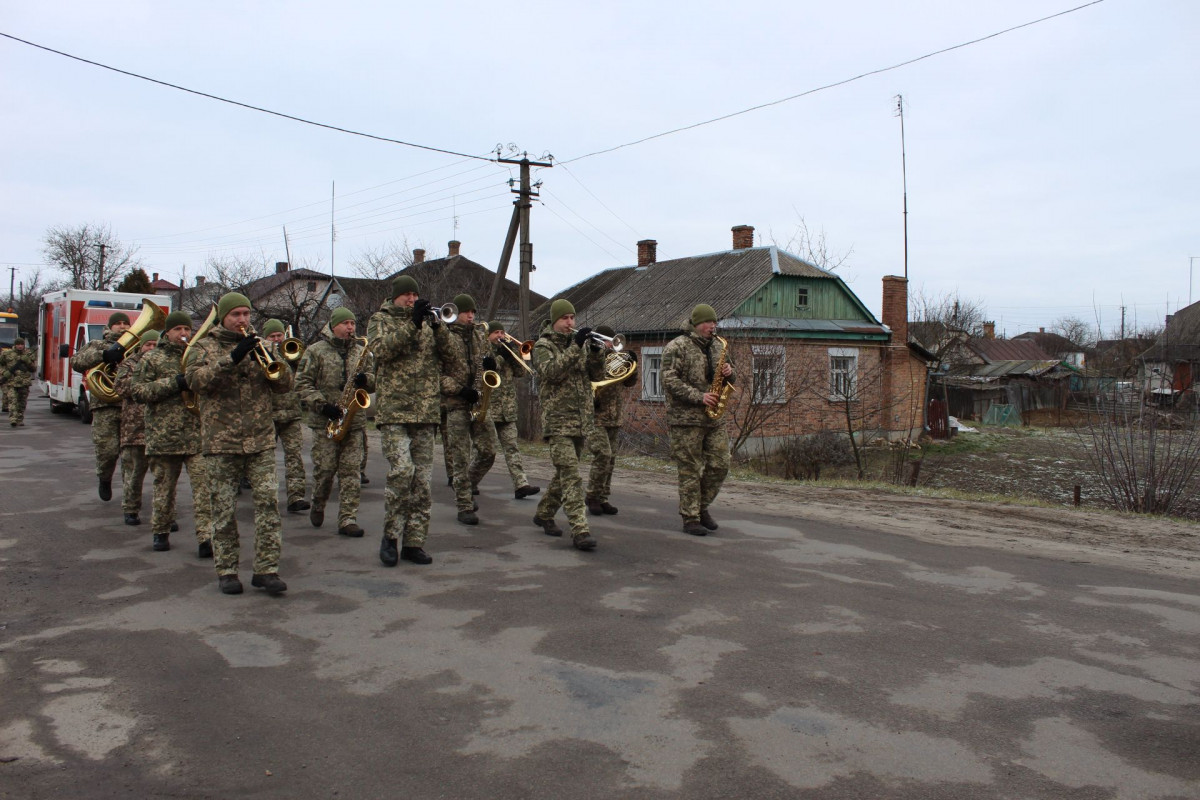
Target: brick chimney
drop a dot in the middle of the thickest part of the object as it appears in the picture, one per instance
(895, 308)
(281, 267)
(418, 255)
(155, 277)
(453, 245)
(647, 252)
(1041, 330)
(989, 330)
(199, 280)
(743, 237)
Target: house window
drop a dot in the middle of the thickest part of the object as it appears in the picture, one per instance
(312, 286)
(802, 297)
(651, 368)
(770, 376)
(843, 372)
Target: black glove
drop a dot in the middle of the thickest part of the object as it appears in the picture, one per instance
(489, 362)
(243, 348)
(360, 380)
(114, 354)
(25, 365)
(420, 311)
(632, 356)
(181, 382)
(595, 346)
(581, 335)
(330, 411)
(469, 394)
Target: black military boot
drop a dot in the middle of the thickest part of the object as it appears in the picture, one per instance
(387, 552)
(707, 521)
(229, 584)
(593, 506)
(526, 491)
(105, 490)
(363, 480)
(583, 541)
(416, 555)
(205, 549)
(694, 527)
(174, 527)
(468, 518)
(352, 530)
(132, 519)
(269, 581)
(161, 543)
(299, 505)
(548, 527)
(317, 517)
(608, 508)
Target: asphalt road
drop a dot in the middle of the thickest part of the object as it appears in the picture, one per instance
(779, 657)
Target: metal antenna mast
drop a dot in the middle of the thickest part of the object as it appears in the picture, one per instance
(903, 177)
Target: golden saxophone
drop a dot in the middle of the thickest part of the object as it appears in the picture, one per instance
(719, 387)
(353, 398)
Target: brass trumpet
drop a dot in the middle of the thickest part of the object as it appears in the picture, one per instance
(101, 378)
(291, 348)
(614, 343)
(447, 313)
(271, 366)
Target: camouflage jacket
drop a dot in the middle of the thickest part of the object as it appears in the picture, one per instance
(235, 399)
(503, 407)
(564, 371)
(409, 362)
(133, 413)
(687, 373)
(91, 355)
(468, 345)
(286, 405)
(610, 402)
(170, 428)
(322, 375)
(16, 369)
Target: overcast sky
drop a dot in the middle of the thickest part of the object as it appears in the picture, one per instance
(1051, 171)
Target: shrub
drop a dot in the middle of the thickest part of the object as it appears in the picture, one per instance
(805, 456)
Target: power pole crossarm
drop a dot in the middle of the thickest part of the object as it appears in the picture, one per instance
(521, 213)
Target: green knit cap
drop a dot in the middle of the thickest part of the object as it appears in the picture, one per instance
(229, 302)
(117, 317)
(559, 309)
(272, 326)
(18, 341)
(340, 315)
(464, 302)
(148, 336)
(494, 326)
(605, 330)
(177, 318)
(703, 313)
(403, 284)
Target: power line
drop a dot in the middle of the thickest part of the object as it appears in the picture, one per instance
(244, 105)
(831, 85)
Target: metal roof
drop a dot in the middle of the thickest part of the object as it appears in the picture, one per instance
(984, 373)
(996, 350)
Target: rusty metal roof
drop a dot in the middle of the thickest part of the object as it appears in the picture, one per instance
(987, 373)
(996, 350)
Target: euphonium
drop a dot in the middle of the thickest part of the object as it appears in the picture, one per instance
(270, 365)
(100, 378)
(719, 387)
(291, 348)
(353, 398)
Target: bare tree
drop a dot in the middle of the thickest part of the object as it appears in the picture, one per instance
(813, 247)
(1075, 330)
(29, 297)
(237, 272)
(90, 256)
(941, 323)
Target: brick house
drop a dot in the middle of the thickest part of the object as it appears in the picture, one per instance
(1169, 371)
(808, 352)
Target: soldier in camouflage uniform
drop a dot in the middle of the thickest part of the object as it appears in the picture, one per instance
(412, 350)
(106, 417)
(699, 445)
(609, 405)
(287, 425)
(503, 410)
(565, 363)
(461, 389)
(133, 430)
(172, 435)
(327, 367)
(16, 375)
(238, 439)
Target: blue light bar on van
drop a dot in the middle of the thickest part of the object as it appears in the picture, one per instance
(100, 303)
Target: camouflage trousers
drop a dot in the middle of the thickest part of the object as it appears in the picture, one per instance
(472, 453)
(291, 435)
(602, 442)
(506, 434)
(407, 498)
(343, 459)
(133, 477)
(16, 397)
(701, 455)
(166, 469)
(225, 471)
(106, 439)
(566, 487)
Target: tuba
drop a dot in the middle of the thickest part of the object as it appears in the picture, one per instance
(100, 379)
(352, 398)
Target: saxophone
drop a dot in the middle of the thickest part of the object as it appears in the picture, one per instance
(352, 398)
(719, 387)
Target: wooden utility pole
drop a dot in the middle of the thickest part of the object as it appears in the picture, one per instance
(519, 223)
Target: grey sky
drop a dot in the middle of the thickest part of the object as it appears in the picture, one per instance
(1051, 170)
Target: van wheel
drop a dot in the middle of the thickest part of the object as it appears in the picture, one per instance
(85, 411)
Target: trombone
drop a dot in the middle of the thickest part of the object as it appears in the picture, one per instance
(524, 352)
(291, 348)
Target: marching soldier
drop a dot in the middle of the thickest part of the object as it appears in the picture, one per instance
(412, 350)
(106, 417)
(503, 411)
(699, 444)
(133, 430)
(16, 375)
(609, 405)
(461, 388)
(565, 362)
(326, 369)
(173, 436)
(287, 427)
(238, 439)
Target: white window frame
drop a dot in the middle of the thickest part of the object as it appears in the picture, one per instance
(806, 295)
(650, 365)
(777, 373)
(836, 376)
